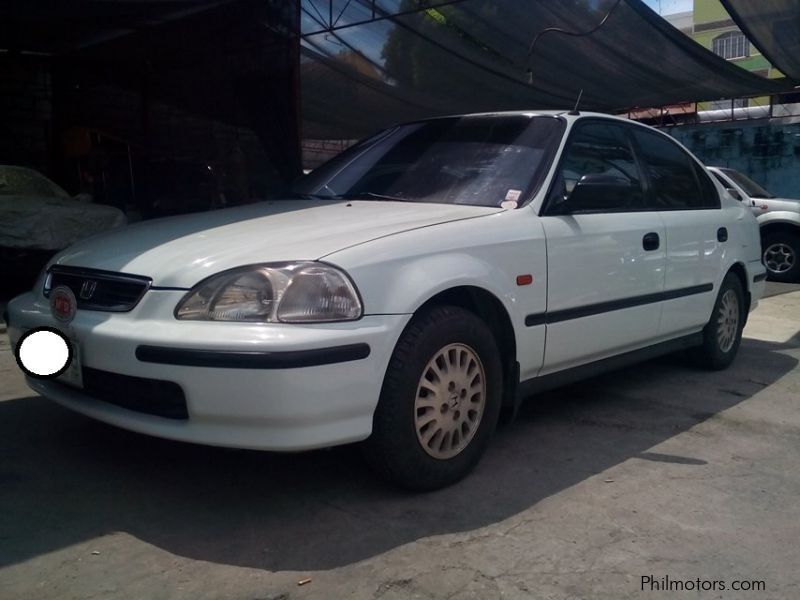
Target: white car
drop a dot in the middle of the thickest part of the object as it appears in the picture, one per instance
(778, 218)
(422, 281)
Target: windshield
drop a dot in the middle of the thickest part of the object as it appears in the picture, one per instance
(750, 187)
(19, 181)
(479, 160)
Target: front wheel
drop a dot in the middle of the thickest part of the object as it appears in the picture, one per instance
(440, 401)
(781, 256)
(723, 333)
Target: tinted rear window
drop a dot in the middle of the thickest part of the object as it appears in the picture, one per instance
(748, 185)
(676, 180)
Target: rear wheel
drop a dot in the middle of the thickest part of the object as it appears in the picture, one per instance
(781, 256)
(723, 333)
(440, 401)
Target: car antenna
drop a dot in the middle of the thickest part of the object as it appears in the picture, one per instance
(575, 112)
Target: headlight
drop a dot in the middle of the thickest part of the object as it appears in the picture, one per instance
(307, 292)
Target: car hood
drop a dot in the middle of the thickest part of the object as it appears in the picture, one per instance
(780, 204)
(180, 251)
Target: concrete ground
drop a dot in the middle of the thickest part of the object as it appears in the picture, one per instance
(658, 470)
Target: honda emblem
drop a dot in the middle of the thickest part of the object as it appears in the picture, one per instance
(87, 289)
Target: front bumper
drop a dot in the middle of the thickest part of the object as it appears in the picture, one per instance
(262, 386)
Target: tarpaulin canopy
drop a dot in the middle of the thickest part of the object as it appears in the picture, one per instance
(365, 63)
(474, 55)
(773, 26)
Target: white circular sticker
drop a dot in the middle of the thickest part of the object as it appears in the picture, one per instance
(43, 353)
(509, 204)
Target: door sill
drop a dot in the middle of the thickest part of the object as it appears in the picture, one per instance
(550, 381)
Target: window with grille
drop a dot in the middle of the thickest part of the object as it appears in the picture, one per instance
(732, 45)
(726, 104)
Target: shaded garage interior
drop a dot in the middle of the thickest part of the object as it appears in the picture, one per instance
(136, 99)
(162, 107)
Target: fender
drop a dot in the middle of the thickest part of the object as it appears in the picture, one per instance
(779, 216)
(399, 273)
(435, 274)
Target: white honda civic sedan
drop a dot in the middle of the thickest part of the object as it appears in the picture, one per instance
(416, 285)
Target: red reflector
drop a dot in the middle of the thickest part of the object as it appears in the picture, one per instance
(524, 279)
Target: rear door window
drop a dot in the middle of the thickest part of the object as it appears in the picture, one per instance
(676, 180)
(707, 187)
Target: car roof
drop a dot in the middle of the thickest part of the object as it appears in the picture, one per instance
(569, 116)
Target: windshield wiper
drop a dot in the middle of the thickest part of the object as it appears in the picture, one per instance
(363, 195)
(359, 196)
(297, 196)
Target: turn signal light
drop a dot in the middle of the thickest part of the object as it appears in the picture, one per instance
(524, 279)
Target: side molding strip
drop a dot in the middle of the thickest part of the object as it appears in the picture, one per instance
(604, 307)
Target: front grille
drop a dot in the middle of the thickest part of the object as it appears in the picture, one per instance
(149, 396)
(99, 290)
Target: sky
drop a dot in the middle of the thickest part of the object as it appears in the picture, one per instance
(667, 7)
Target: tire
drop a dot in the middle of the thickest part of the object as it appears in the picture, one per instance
(781, 256)
(723, 333)
(403, 449)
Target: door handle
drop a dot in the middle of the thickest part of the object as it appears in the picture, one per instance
(722, 234)
(651, 241)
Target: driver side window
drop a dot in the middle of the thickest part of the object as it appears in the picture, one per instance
(597, 173)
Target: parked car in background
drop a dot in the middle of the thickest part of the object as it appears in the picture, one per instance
(778, 218)
(420, 282)
(36, 213)
(38, 218)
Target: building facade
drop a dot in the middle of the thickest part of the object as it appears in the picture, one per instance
(714, 29)
(765, 149)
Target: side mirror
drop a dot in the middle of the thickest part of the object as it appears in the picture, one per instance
(735, 193)
(598, 191)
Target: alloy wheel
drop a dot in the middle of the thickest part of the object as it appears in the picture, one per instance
(728, 321)
(450, 401)
(779, 257)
